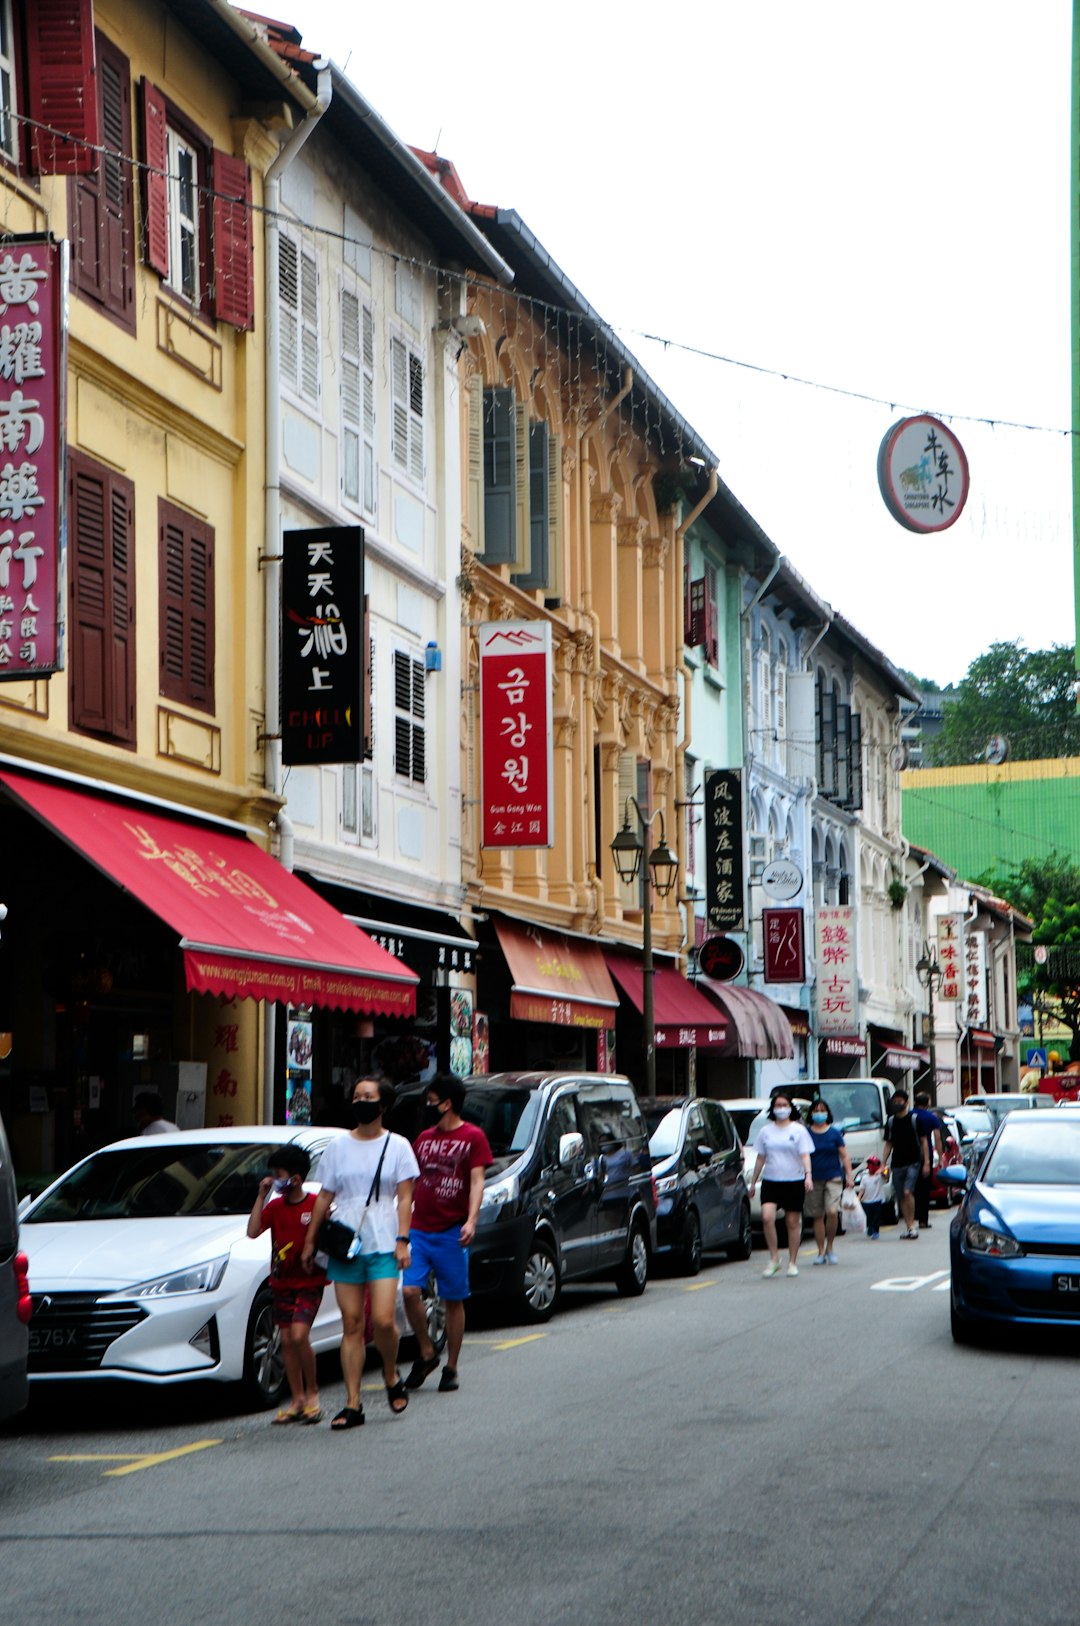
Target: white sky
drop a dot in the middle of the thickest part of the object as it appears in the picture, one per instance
(868, 196)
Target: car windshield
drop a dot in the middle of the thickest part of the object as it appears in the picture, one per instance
(663, 1126)
(853, 1105)
(506, 1114)
(1030, 1153)
(157, 1182)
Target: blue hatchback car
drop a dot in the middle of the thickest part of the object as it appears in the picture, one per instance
(1015, 1240)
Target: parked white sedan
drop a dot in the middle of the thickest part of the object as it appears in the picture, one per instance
(141, 1267)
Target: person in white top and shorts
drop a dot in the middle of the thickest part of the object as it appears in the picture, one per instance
(783, 1148)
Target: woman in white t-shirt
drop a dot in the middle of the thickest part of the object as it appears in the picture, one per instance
(783, 1147)
(368, 1176)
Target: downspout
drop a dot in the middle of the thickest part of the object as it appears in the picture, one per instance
(681, 670)
(270, 558)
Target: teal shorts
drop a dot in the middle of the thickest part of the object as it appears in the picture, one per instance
(363, 1267)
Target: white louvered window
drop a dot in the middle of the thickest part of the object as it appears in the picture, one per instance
(357, 402)
(298, 315)
(410, 740)
(407, 395)
(8, 83)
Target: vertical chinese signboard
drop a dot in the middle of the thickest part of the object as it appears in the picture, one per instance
(322, 646)
(515, 734)
(950, 954)
(33, 365)
(836, 978)
(785, 959)
(724, 850)
(976, 1005)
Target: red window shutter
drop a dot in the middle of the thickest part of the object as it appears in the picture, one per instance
(103, 247)
(155, 179)
(234, 282)
(122, 610)
(186, 588)
(695, 613)
(711, 639)
(102, 672)
(62, 84)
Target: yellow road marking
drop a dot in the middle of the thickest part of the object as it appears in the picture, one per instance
(515, 1343)
(696, 1287)
(135, 1462)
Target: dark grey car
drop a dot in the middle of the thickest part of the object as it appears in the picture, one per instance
(14, 1294)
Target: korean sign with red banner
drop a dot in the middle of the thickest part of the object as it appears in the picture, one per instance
(836, 981)
(515, 734)
(785, 959)
(33, 363)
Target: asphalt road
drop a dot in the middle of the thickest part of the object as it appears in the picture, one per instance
(725, 1448)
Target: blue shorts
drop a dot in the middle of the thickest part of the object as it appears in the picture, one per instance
(362, 1267)
(441, 1252)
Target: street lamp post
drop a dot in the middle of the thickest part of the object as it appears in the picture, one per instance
(627, 849)
(929, 974)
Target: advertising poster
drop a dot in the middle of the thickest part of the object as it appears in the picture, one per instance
(298, 1064)
(481, 1055)
(461, 1032)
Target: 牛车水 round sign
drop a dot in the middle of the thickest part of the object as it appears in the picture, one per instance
(923, 474)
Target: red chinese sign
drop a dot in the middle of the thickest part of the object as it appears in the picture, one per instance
(836, 990)
(33, 277)
(515, 734)
(785, 958)
(950, 953)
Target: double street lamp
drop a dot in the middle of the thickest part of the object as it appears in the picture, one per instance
(929, 973)
(627, 849)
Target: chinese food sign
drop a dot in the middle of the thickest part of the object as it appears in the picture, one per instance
(923, 474)
(33, 333)
(724, 850)
(783, 933)
(976, 1006)
(322, 646)
(950, 953)
(836, 991)
(515, 734)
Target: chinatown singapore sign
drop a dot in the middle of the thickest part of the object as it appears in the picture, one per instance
(516, 769)
(923, 474)
(33, 336)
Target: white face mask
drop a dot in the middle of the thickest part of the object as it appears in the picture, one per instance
(781, 1114)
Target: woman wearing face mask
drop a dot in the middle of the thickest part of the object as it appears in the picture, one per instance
(830, 1166)
(783, 1148)
(368, 1175)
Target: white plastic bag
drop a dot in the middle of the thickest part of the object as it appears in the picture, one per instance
(853, 1213)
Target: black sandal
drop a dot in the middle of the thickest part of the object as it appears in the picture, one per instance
(420, 1370)
(348, 1417)
(397, 1392)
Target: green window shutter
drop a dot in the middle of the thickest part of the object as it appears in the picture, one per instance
(538, 573)
(500, 477)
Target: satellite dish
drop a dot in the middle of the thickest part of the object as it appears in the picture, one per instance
(899, 758)
(997, 749)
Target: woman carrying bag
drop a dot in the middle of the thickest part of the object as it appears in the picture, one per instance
(368, 1175)
(830, 1165)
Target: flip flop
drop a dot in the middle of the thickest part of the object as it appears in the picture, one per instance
(396, 1392)
(284, 1416)
(421, 1369)
(348, 1417)
(311, 1414)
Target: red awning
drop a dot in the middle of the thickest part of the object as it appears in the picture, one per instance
(556, 979)
(980, 1037)
(759, 1027)
(798, 1021)
(684, 1019)
(248, 928)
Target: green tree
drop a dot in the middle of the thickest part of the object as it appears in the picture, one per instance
(1026, 695)
(1048, 891)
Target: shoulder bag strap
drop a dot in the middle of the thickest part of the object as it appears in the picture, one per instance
(374, 1188)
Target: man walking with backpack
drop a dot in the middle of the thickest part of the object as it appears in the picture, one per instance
(907, 1150)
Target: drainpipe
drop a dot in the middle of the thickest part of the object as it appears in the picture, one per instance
(681, 669)
(270, 558)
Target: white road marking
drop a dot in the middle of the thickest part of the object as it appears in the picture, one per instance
(908, 1284)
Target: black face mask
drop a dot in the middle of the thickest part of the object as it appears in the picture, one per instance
(366, 1112)
(432, 1116)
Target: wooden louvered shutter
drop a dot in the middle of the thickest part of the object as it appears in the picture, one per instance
(234, 276)
(536, 574)
(102, 678)
(186, 594)
(103, 251)
(155, 179)
(500, 477)
(62, 85)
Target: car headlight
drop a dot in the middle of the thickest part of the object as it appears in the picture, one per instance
(982, 1239)
(666, 1185)
(198, 1279)
(498, 1194)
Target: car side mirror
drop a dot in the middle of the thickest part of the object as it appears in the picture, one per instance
(571, 1147)
(704, 1154)
(953, 1174)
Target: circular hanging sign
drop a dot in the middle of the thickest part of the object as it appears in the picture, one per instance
(997, 749)
(923, 474)
(720, 958)
(782, 879)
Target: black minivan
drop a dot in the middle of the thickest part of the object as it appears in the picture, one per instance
(14, 1294)
(570, 1194)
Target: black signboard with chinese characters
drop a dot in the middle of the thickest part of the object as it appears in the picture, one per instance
(322, 646)
(724, 850)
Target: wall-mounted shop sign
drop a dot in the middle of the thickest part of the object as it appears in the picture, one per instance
(923, 474)
(322, 646)
(785, 957)
(720, 958)
(835, 988)
(516, 768)
(782, 879)
(724, 850)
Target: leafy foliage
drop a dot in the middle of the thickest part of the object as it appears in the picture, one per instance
(1048, 891)
(1026, 695)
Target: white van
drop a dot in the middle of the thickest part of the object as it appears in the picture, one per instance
(859, 1107)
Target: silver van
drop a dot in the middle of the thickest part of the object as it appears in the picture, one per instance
(14, 1294)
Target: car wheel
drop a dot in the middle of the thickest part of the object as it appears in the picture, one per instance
(540, 1281)
(962, 1330)
(435, 1309)
(743, 1246)
(264, 1365)
(632, 1276)
(691, 1244)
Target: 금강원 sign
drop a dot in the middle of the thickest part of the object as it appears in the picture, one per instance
(33, 364)
(724, 850)
(515, 734)
(322, 646)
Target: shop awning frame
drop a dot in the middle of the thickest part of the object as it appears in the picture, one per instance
(578, 992)
(683, 1018)
(760, 1030)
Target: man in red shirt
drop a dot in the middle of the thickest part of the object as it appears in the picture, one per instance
(297, 1293)
(452, 1155)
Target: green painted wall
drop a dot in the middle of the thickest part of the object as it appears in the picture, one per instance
(980, 819)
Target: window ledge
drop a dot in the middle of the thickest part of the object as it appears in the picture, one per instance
(713, 678)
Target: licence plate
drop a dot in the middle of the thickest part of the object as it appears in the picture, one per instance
(1067, 1284)
(52, 1338)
